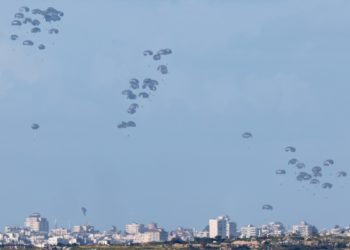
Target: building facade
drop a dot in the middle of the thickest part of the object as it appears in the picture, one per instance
(222, 227)
(304, 230)
(134, 228)
(37, 223)
(249, 232)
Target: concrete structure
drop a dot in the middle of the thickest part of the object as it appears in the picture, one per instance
(222, 227)
(134, 228)
(152, 226)
(156, 235)
(303, 229)
(272, 229)
(37, 223)
(83, 229)
(249, 232)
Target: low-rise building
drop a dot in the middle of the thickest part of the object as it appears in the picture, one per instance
(134, 228)
(249, 231)
(304, 229)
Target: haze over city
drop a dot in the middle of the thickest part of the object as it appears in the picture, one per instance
(275, 69)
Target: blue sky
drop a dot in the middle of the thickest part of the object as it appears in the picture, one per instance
(278, 69)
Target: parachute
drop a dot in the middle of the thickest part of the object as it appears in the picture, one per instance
(267, 207)
(16, 23)
(327, 185)
(128, 124)
(134, 83)
(35, 30)
(129, 94)
(19, 15)
(27, 20)
(35, 126)
(53, 31)
(292, 161)
(143, 95)
(328, 162)
(14, 37)
(148, 53)
(290, 149)
(300, 165)
(163, 69)
(24, 9)
(28, 43)
(303, 176)
(314, 181)
(164, 52)
(247, 135)
(132, 108)
(83, 210)
(341, 174)
(280, 171)
(150, 83)
(36, 22)
(156, 57)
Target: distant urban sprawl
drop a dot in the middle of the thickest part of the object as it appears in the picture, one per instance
(36, 232)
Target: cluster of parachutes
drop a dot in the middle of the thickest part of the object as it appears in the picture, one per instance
(142, 89)
(34, 20)
(314, 176)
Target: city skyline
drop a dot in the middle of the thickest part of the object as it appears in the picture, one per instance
(36, 222)
(276, 70)
(221, 231)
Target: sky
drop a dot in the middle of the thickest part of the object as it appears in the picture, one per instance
(277, 69)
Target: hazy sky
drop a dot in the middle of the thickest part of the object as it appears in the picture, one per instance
(278, 69)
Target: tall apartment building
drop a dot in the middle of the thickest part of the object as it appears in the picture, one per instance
(37, 223)
(222, 227)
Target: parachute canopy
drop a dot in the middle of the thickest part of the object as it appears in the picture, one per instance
(83, 210)
(247, 135)
(148, 53)
(290, 149)
(35, 126)
(280, 171)
(267, 207)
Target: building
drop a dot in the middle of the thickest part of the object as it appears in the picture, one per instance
(59, 232)
(304, 230)
(222, 227)
(182, 234)
(249, 232)
(273, 229)
(134, 228)
(37, 223)
(83, 229)
(155, 235)
(152, 226)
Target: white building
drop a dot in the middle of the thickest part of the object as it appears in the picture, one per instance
(59, 232)
(222, 227)
(201, 234)
(54, 241)
(273, 229)
(155, 235)
(303, 229)
(337, 230)
(37, 223)
(134, 228)
(152, 226)
(249, 232)
(83, 229)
